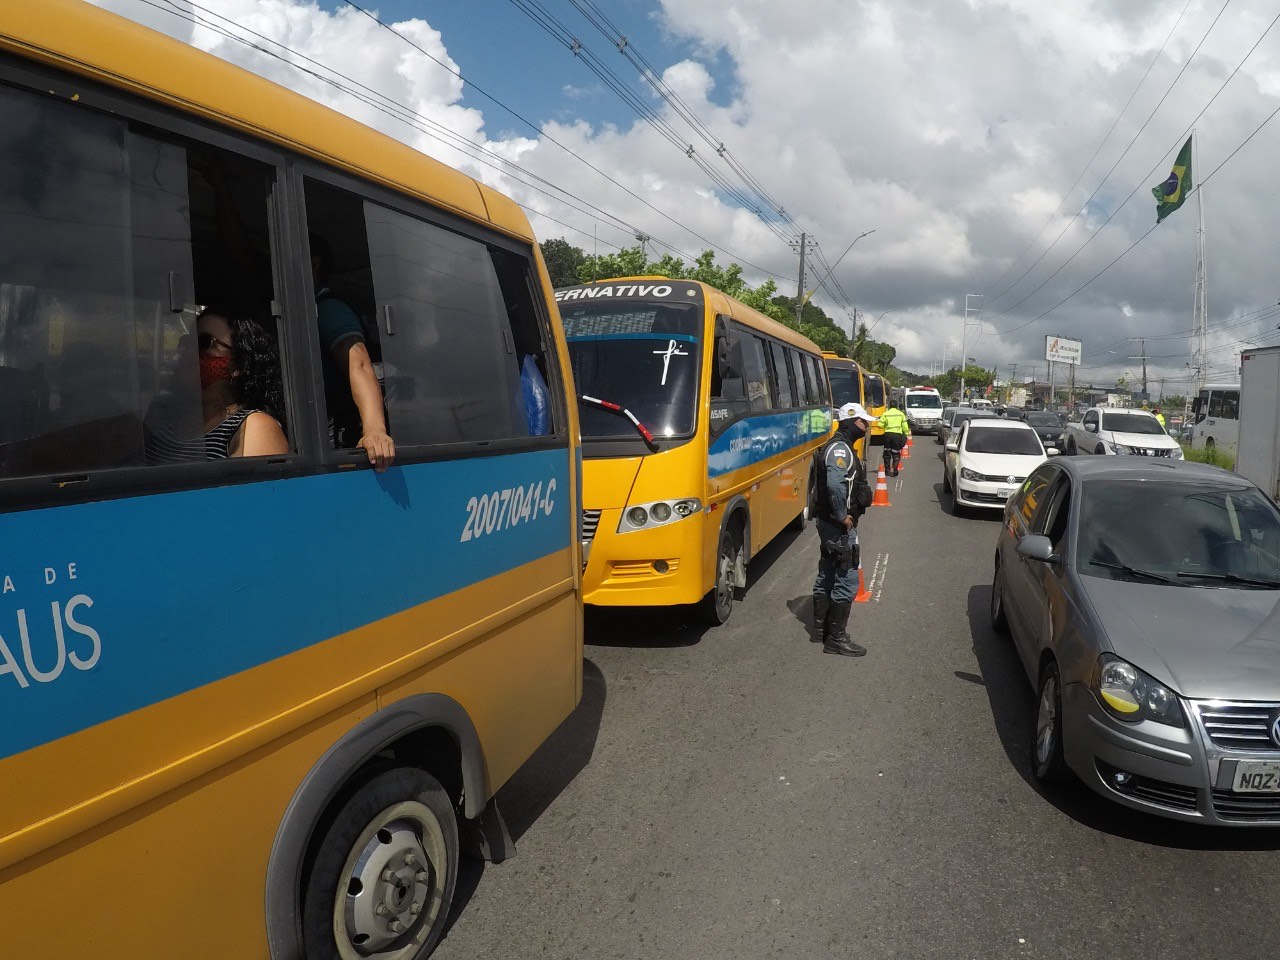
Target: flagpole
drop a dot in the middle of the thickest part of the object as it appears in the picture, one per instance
(1200, 309)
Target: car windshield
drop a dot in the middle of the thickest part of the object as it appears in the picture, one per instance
(1044, 420)
(1179, 532)
(1131, 423)
(642, 356)
(930, 401)
(1004, 440)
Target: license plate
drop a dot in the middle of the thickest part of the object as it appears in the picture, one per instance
(1004, 493)
(1257, 776)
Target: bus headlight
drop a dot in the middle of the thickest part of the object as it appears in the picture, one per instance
(646, 516)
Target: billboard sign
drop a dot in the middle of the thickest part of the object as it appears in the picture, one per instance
(1062, 350)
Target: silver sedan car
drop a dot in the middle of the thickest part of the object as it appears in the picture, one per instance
(1143, 598)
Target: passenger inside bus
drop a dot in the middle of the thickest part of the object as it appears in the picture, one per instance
(238, 408)
(357, 417)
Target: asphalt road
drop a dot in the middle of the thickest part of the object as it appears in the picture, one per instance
(736, 793)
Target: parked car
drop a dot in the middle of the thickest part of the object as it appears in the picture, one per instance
(988, 460)
(1141, 596)
(950, 425)
(1103, 430)
(1048, 426)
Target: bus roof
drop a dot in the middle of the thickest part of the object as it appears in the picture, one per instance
(104, 47)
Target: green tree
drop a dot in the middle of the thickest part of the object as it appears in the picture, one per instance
(563, 261)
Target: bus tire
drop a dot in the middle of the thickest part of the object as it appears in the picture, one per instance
(392, 844)
(801, 520)
(718, 603)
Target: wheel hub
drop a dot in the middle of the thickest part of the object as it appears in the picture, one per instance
(388, 887)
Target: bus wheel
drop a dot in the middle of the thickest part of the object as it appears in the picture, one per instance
(801, 520)
(718, 604)
(384, 872)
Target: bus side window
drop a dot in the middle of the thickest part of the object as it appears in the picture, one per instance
(778, 356)
(756, 373)
(451, 361)
(728, 385)
(111, 240)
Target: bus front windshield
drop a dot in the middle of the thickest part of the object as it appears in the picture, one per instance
(845, 387)
(875, 391)
(644, 357)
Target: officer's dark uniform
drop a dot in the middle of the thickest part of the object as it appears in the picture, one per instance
(833, 589)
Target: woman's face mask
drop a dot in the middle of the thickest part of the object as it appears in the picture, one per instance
(213, 369)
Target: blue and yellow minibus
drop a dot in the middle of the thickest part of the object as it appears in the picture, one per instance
(253, 706)
(699, 419)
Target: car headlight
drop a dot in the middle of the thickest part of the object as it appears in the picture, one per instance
(1175, 453)
(967, 474)
(1120, 448)
(645, 516)
(1129, 694)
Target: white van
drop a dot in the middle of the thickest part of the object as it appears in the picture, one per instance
(982, 404)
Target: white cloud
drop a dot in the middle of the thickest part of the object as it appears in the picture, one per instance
(963, 133)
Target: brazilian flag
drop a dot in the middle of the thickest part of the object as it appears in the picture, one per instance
(1170, 194)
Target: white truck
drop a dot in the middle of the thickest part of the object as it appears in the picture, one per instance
(1103, 430)
(1258, 445)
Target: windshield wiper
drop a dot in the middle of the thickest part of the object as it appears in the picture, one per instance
(1134, 571)
(622, 412)
(1234, 578)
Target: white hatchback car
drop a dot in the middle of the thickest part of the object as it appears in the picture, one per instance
(988, 461)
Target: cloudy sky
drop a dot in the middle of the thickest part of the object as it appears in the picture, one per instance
(1001, 148)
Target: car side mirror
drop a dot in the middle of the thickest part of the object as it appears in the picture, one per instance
(952, 446)
(1034, 546)
(1091, 428)
(1051, 451)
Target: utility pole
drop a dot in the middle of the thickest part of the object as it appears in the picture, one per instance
(1143, 358)
(800, 282)
(964, 330)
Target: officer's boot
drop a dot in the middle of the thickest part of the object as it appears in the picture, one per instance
(837, 637)
(821, 607)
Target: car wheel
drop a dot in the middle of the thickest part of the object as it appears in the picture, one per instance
(718, 604)
(999, 622)
(1101, 451)
(385, 871)
(1209, 444)
(1046, 740)
(946, 481)
(956, 509)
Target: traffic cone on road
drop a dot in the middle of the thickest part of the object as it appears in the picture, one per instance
(881, 497)
(863, 595)
(906, 449)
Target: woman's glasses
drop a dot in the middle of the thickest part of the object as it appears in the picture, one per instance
(205, 341)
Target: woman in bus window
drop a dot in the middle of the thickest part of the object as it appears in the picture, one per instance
(241, 404)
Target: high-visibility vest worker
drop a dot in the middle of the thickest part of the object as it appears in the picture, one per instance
(895, 421)
(1160, 419)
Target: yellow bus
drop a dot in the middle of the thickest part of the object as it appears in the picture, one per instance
(699, 419)
(251, 706)
(849, 382)
(875, 391)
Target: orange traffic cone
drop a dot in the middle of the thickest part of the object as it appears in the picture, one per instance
(906, 450)
(864, 595)
(881, 498)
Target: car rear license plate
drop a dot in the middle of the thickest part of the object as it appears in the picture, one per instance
(1004, 493)
(1257, 776)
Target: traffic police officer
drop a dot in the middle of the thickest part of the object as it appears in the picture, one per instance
(896, 430)
(842, 492)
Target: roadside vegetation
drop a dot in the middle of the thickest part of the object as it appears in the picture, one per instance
(1210, 455)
